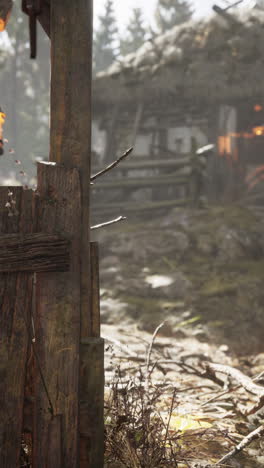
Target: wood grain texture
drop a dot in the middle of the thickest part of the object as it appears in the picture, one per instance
(95, 290)
(55, 442)
(92, 403)
(58, 318)
(34, 253)
(70, 134)
(15, 306)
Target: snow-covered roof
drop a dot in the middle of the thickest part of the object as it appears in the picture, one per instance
(207, 57)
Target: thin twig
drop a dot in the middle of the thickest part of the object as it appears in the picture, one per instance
(152, 343)
(108, 223)
(149, 371)
(256, 434)
(112, 165)
(170, 415)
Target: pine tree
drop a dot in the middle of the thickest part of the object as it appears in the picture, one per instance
(170, 13)
(135, 33)
(105, 51)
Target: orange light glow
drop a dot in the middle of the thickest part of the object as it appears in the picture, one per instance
(4, 21)
(2, 118)
(258, 131)
(2, 121)
(2, 24)
(258, 108)
(224, 145)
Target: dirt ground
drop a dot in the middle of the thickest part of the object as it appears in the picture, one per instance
(200, 273)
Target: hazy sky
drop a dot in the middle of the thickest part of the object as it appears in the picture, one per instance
(123, 8)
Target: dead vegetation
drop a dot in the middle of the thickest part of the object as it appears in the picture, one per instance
(198, 419)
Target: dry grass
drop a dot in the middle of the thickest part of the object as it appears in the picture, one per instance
(136, 434)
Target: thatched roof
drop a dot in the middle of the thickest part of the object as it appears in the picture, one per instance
(207, 59)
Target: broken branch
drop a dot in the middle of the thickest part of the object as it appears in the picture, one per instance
(112, 165)
(256, 434)
(239, 377)
(108, 223)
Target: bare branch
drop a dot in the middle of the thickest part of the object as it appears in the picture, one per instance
(239, 377)
(256, 434)
(112, 165)
(109, 223)
(152, 343)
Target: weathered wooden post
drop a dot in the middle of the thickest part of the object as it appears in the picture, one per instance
(64, 203)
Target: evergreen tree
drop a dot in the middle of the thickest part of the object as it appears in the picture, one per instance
(135, 33)
(105, 39)
(170, 13)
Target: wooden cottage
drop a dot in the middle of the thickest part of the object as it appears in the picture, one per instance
(199, 83)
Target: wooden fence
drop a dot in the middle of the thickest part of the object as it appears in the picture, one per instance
(167, 179)
(51, 379)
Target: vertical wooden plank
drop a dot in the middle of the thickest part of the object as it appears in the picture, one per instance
(92, 403)
(95, 290)
(58, 319)
(70, 135)
(15, 304)
(71, 77)
(55, 442)
(92, 380)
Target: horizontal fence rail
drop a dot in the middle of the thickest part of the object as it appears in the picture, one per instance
(113, 193)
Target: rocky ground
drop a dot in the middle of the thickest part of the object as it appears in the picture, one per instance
(201, 273)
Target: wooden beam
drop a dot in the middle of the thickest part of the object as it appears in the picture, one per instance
(15, 307)
(34, 253)
(70, 140)
(70, 134)
(57, 321)
(141, 182)
(127, 207)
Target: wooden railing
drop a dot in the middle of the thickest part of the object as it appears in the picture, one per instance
(113, 192)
